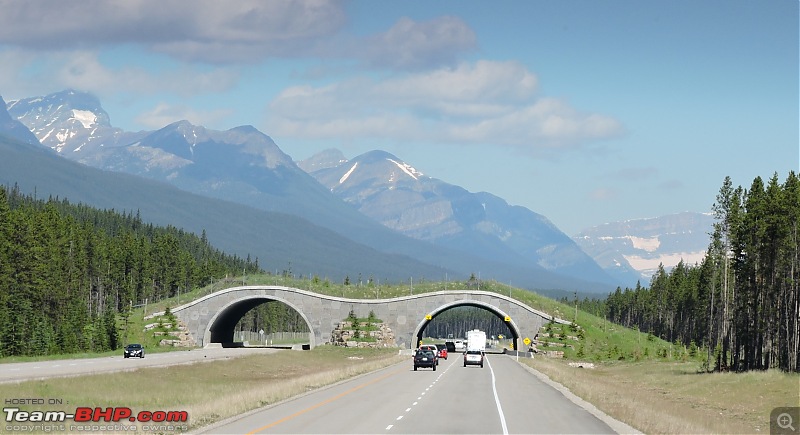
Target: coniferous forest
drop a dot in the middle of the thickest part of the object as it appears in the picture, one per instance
(67, 270)
(741, 303)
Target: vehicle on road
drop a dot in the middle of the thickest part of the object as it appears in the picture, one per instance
(432, 348)
(476, 340)
(450, 346)
(460, 345)
(133, 350)
(425, 358)
(443, 352)
(473, 357)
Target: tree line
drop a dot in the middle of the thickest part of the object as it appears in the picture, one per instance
(741, 302)
(457, 321)
(67, 270)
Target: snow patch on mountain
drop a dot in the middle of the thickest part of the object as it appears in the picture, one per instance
(85, 117)
(634, 249)
(408, 169)
(347, 174)
(648, 265)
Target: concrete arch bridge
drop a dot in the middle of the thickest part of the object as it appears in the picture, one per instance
(212, 318)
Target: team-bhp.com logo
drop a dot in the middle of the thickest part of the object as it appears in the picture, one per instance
(89, 416)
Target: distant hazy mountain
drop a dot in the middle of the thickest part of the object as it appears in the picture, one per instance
(391, 191)
(632, 250)
(245, 166)
(279, 241)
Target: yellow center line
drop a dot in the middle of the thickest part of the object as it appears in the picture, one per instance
(324, 402)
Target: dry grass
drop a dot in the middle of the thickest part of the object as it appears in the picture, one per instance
(671, 397)
(209, 391)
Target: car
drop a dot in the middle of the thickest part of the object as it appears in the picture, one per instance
(424, 358)
(133, 350)
(451, 347)
(443, 352)
(432, 348)
(473, 357)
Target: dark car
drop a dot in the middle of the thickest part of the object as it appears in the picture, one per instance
(133, 350)
(450, 346)
(432, 348)
(424, 358)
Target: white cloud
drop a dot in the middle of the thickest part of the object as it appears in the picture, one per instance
(164, 114)
(203, 30)
(83, 70)
(414, 45)
(603, 194)
(486, 102)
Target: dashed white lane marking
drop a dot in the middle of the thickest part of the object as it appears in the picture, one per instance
(423, 393)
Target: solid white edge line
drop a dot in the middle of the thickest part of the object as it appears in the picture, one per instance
(497, 400)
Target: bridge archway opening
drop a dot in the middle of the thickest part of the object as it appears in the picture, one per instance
(497, 325)
(242, 323)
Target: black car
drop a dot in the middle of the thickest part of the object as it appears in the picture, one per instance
(133, 350)
(424, 358)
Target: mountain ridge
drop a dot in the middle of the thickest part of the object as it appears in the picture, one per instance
(394, 193)
(245, 166)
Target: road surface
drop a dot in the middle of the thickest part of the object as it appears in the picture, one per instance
(16, 372)
(501, 398)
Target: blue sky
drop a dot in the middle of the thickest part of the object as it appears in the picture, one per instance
(584, 111)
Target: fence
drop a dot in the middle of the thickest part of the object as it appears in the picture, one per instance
(275, 338)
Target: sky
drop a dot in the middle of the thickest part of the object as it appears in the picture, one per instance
(586, 112)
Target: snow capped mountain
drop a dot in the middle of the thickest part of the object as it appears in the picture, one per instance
(69, 122)
(394, 193)
(13, 128)
(375, 199)
(632, 250)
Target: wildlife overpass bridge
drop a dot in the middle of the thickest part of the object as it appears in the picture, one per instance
(212, 318)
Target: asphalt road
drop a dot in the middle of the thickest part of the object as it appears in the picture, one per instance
(16, 372)
(502, 398)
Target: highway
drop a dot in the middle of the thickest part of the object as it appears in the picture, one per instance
(17, 372)
(501, 398)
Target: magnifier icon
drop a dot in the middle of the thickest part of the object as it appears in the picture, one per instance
(785, 421)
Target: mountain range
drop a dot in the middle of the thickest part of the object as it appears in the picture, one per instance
(394, 193)
(375, 204)
(633, 250)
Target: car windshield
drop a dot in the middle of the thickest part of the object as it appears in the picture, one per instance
(134, 346)
(425, 353)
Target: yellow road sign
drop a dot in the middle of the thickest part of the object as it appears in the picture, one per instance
(428, 317)
(508, 319)
(527, 341)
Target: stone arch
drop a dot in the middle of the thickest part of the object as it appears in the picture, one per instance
(512, 326)
(222, 323)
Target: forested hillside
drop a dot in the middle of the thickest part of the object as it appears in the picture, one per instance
(741, 302)
(67, 271)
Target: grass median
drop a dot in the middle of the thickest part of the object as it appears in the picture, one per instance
(209, 391)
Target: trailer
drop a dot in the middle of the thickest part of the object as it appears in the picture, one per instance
(476, 340)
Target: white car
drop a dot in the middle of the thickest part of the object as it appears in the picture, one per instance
(474, 358)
